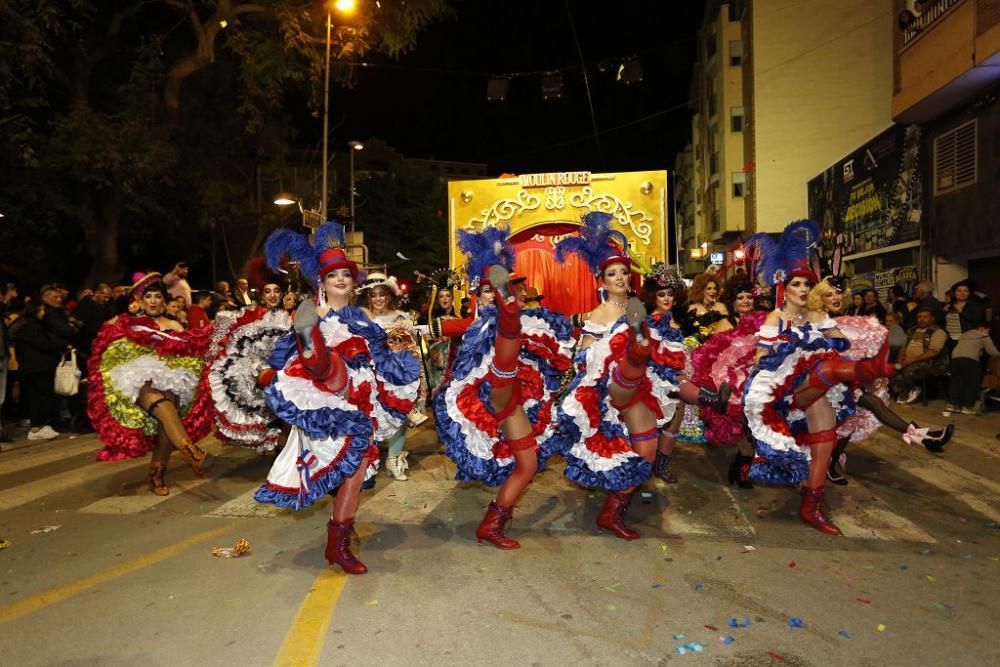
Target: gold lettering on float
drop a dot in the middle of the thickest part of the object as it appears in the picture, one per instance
(561, 178)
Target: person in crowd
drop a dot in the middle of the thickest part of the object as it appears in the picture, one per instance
(241, 414)
(244, 296)
(198, 314)
(727, 358)
(91, 314)
(465, 310)
(176, 282)
(704, 307)
(898, 302)
(439, 349)
(334, 379)
(8, 292)
(923, 294)
(797, 395)
(532, 297)
(175, 310)
(498, 399)
(857, 304)
(39, 349)
(611, 413)
(222, 289)
(381, 294)
(897, 335)
(871, 307)
(145, 389)
(925, 354)
(967, 368)
(290, 301)
(964, 312)
(60, 324)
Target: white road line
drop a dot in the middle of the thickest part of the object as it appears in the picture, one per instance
(144, 499)
(26, 493)
(17, 460)
(244, 505)
(979, 493)
(871, 518)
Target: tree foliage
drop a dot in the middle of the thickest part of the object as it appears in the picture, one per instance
(134, 130)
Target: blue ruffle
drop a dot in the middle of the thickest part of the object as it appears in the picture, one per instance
(322, 422)
(470, 467)
(284, 348)
(320, 486)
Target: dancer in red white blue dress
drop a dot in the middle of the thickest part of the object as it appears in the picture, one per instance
(498, 403)
(241, 415)
(800, 390)
(626, 381)
(335, 380)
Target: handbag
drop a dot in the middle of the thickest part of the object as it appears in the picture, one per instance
(67, 375)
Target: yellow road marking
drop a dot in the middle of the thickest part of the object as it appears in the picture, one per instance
(304, 640)
(60, 593)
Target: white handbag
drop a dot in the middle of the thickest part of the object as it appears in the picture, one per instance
(67, 376)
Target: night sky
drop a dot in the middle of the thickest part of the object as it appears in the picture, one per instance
(431, 103)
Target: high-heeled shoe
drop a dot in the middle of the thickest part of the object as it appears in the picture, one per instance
(739, 471)
(834, 473)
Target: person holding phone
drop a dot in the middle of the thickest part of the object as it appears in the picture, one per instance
(176, 282)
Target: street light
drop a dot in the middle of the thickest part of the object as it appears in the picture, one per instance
(344, 7)
(285, 199)
(355, 146)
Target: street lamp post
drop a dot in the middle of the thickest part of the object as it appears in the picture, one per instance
(354, 146)
(346, 7)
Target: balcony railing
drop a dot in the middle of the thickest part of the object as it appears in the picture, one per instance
(931, 13)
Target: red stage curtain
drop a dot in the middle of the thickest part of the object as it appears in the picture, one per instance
(568, 288)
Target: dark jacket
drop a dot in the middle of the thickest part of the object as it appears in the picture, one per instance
(92, 315)
(37, 351)
(57, 324)
(4, 336)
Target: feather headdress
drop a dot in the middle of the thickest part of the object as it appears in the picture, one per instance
(660, 277)
(598, 245)
(484, 249)
(778, 261)
(259, 275)
(315, 260)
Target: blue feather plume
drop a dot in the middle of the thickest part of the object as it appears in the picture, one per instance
(328, 235)
(595, 243)
(777, 257)
(285, 243)
(485, 248)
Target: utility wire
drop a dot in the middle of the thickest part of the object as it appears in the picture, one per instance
(586, 84)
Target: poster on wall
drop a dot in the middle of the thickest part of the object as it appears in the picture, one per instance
(880, 281)
(871, 199)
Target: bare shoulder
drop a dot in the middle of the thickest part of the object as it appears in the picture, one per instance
(773, 318)
(604, 314)
(720, 308)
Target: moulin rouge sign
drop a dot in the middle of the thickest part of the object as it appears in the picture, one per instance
(554, 179)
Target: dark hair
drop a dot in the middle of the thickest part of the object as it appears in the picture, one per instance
(199, 295)
(925, 309)
(897, 291)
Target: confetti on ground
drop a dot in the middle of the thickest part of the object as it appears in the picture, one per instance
(940, 605)
(5, 544)
(241, 547)
(663, 547)
(733, 623)
(611, 607)
(844, 634)
(880, 627)
(727, 640)
(863, 600)
(868, 567)
(372, 603)
(776, 656)
(795, 622)
(904, 567)
(613, 586)
(679, 636)
(718, 557)
(45, 529)
(711, 627)
(931, 578)
(698, 587)
(747, 549)
(656, 586)
(925, 552)
(792, 564)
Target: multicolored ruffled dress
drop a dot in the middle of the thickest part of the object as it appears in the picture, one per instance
(333, 432)
(130, 353)
(867, 337)
(464, 418)
(727, 357)
(239, 410)
(591, 435)
(773, 422)
(700, 328)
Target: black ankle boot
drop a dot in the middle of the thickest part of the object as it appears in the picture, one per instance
(739, 471)
(661, 468)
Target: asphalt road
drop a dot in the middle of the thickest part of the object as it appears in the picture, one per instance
(127, 578)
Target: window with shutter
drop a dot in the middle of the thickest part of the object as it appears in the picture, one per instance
(955, 158)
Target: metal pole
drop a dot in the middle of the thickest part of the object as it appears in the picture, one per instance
(352, 149)
(326, 117)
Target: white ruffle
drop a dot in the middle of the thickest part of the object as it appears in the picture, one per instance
(596, 354)
(284, 471)
(130, 377)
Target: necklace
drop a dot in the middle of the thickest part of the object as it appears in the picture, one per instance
(798, 317)
(616, 302)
